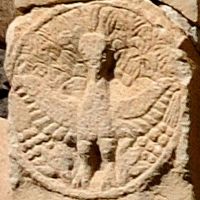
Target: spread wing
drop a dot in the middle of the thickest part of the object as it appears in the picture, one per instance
(149, 138)
(50, 95)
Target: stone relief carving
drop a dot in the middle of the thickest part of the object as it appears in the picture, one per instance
(102, 96)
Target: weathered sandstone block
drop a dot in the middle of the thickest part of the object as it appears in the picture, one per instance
(190, 29)
(98, 103)
(5, 189)
(4, 88)
(189, 8)
(6, 15)
(26, 4)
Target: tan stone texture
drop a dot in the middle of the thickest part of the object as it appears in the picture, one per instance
(99, 103)
(189, 8)
(5, 189)
(6, 15)
(190, 29)
(26, 4)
